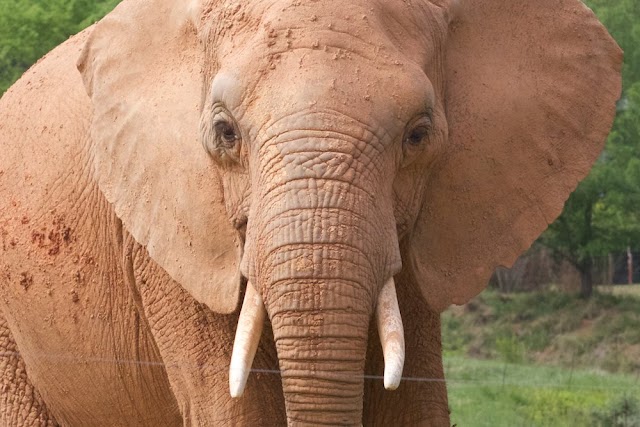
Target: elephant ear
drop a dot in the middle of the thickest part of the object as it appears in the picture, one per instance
(531, 90)
(142, 69)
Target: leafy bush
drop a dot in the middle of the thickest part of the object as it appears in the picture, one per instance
(548, 406)
(510, 349)
(622, 412)
(551, 327)
(31, 28)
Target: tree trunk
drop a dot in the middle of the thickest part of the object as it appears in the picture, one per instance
(586, 279)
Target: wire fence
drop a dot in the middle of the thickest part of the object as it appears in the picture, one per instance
(489, 393)
(459, 372)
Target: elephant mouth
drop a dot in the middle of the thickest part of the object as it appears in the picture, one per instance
(251, 322)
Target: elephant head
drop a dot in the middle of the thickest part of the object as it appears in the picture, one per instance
(316, 148)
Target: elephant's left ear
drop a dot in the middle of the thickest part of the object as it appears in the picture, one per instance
(531, 90)
(142, 70)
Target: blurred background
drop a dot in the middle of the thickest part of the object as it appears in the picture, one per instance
(555, 340)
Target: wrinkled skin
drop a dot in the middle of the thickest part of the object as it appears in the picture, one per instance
(311, 150)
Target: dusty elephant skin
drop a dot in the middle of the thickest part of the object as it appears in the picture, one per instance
(353, 168)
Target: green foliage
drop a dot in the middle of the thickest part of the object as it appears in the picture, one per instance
(510, 349)
(458, 337)
(621, 19)
(622, 412)
(547, 406)
(31, 28)
(602, 215)
(549, 327)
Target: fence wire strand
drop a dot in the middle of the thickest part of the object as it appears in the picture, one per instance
(454, 382)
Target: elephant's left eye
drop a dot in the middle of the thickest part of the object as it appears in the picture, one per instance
(418, 131)
(416, 138)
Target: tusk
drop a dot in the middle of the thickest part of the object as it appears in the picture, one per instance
(391, 334)
(248, 334)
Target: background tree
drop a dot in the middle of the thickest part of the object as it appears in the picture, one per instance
(603, 214)
(31, 28)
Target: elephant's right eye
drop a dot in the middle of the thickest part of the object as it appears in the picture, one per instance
(220, 135)
(226, 132)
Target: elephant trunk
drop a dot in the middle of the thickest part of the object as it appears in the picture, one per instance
(319, 261)
(321, 352)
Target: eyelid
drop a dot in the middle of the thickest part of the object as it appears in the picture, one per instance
(221, 135)
(423, 120)
(219, 109)
(220, 113)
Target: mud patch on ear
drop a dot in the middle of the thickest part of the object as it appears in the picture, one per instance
(143, 72)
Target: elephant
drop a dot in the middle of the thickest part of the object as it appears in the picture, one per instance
(253, 212)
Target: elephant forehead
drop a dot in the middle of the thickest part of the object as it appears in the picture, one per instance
(366, 90)
(307, 56)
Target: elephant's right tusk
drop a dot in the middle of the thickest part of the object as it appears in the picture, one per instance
(391, 334)
(248, 334)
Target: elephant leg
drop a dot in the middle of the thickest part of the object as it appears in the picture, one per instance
(421, 398)
(20, 403)
(196, 344)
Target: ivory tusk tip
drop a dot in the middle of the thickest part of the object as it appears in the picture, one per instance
(394, 364)
(392, 380)
(250, 325)
(391, 335)
(237, 383)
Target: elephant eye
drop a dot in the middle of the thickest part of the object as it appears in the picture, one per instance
(226, 132)
(220, 135)
(418, 131)
(417, 135)
(417, 138)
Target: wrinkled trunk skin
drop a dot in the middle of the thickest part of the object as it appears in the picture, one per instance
(321, 352)
(320, 251)
(319, 299)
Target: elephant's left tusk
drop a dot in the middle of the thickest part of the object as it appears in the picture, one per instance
(391, 334)
(248, 334)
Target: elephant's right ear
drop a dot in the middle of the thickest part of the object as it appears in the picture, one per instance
(531, 91)
(142, 68)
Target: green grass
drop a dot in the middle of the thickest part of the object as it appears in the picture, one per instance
(544, 359)
(621, 290)
(494, 394)
(550, 328)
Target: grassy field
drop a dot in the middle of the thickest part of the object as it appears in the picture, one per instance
(494, 394)
(544, 359)
(621, 290)
(550, 328)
